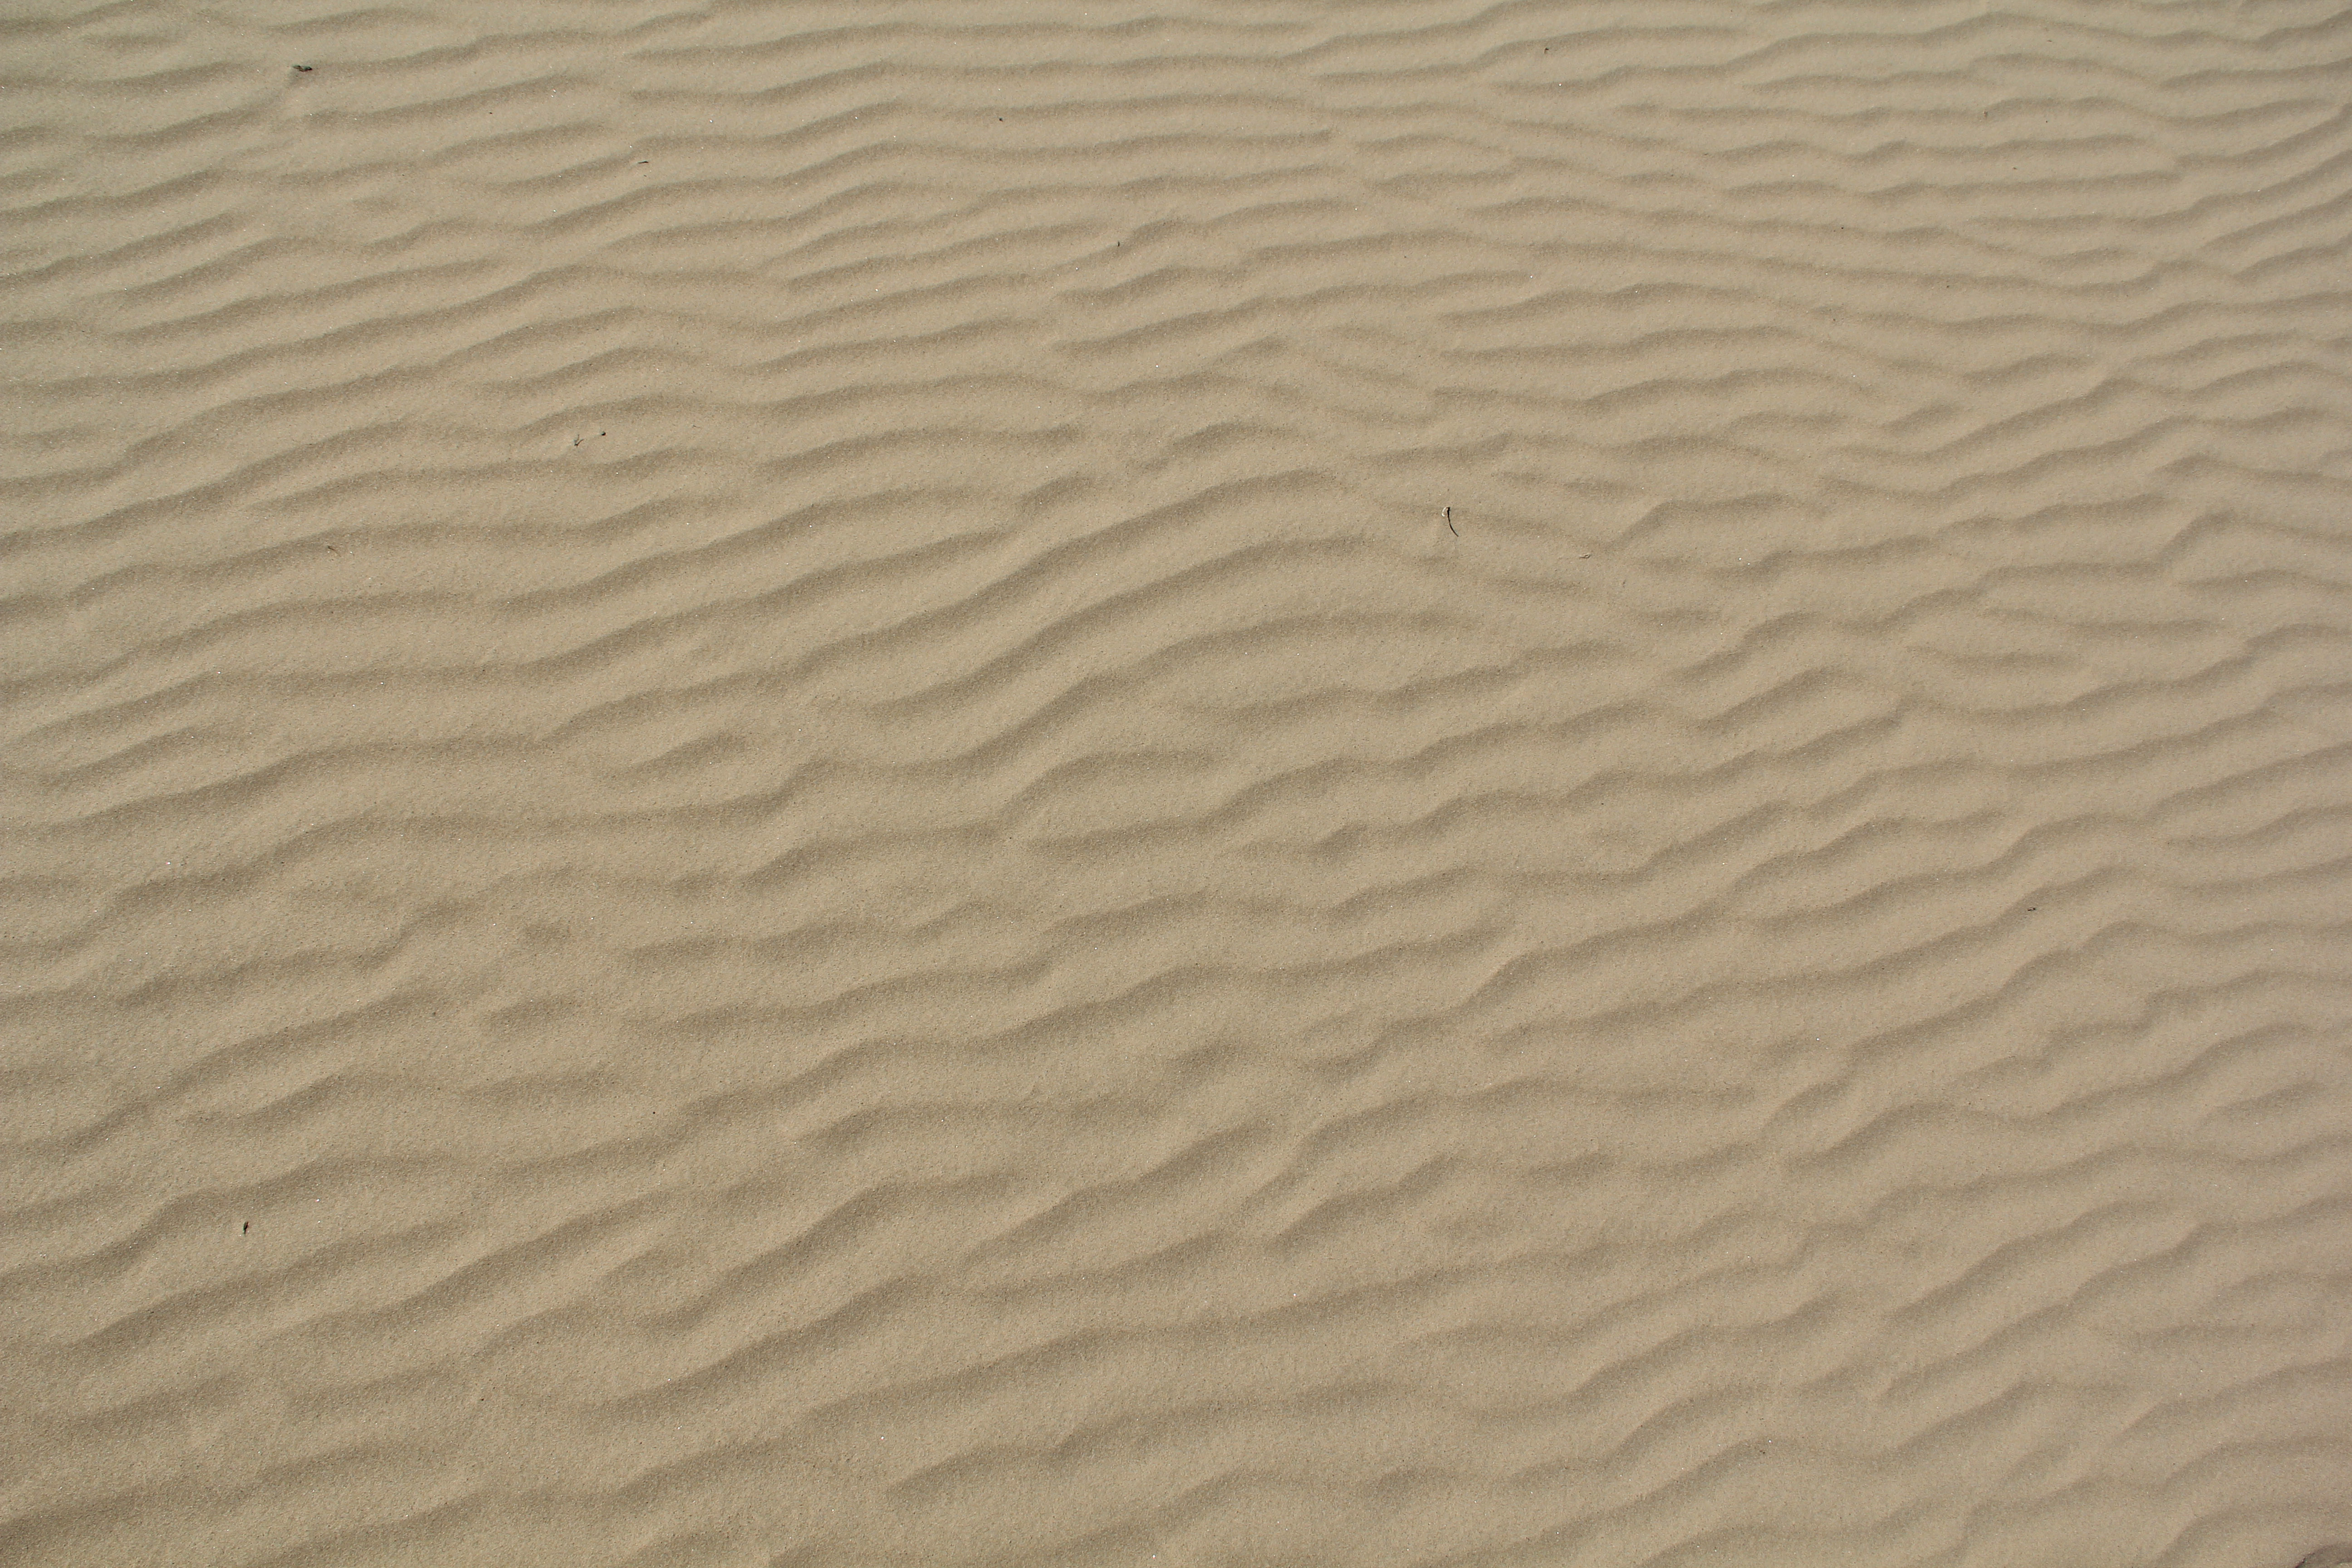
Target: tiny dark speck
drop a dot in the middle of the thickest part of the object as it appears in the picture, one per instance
(304, 68)
(245, 1229)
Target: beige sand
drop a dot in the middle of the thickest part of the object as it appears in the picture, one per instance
(1273, 782)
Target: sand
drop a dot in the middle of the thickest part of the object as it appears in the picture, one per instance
(1277, 783)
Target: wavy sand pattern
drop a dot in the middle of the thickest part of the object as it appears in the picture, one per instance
(758, 810)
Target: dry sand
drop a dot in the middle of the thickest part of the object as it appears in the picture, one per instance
(1270, 783)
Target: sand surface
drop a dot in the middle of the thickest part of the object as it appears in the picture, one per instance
(1265, 784)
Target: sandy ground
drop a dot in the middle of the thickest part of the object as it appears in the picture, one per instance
(1264, 785)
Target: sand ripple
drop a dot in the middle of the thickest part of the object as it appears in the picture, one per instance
(757, 811)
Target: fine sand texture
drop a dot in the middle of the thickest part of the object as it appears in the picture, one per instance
(1267, 784)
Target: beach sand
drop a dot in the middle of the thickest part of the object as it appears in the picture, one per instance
(1279, 783)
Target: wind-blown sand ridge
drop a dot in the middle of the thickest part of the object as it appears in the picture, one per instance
(757, 809)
